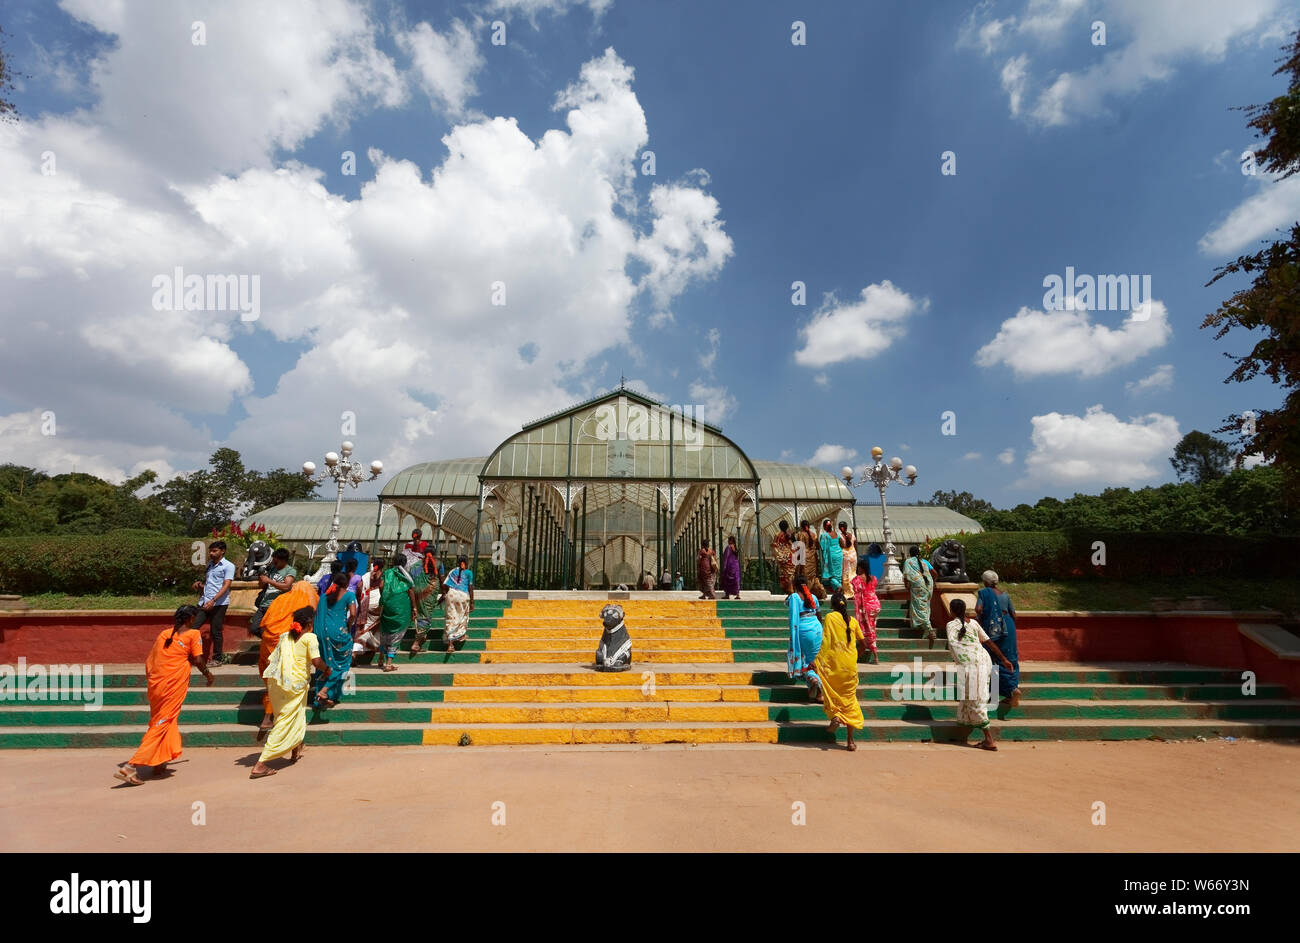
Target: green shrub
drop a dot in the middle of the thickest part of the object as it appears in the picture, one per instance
(1037, 556)
(119, 562)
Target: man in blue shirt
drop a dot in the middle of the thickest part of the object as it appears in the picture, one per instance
(214, 599)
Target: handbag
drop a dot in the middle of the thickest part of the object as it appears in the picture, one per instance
(713, 563)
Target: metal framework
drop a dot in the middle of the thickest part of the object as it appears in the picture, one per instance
(603, 492)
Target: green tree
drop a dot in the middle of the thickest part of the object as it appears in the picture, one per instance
(261, 491)
(208, 498)
(1270, 305)
(963, 502)
(1201, 458)
(8, 111)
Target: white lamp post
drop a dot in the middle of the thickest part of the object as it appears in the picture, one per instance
(344, 472)
(882, 476)
(847, 474)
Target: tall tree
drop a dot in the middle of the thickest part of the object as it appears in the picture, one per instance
(1271, 304)
(262, 491)
(1201, 458)
(963, 502)
(8, 112)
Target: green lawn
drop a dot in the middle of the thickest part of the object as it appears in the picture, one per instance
(1080, 594)
(1113, 595)
(64, 601)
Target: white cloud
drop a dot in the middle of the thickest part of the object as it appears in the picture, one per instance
(971, 457)
(687, 243)
(830, 454)
(1254, 460)
(1146, 43)
(530, 8)
(718, 404)
(385, 298)
(822, 380)
(1007, 456)
(1040, 343)
(713, 339)
(446, 62)
(1162, 378)
(857, 330)
(270, 76)
(1274, 205)
(1098, 448)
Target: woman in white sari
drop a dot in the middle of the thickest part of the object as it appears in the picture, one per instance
(967, 641)
(457, 603)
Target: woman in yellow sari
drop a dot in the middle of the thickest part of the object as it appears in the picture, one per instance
(167, 671)
(837, 666)
(277, 621)
(288, 676)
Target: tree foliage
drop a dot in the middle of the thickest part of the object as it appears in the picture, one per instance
(33, 503)
(963, 502)
(8, 111)
(1270, 305)
(1200, 457)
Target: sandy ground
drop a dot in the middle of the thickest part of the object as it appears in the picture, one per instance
(1211, 796)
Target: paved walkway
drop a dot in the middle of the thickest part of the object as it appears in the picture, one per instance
(1211, 796)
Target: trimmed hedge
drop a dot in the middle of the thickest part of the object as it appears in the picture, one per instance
(119, 562)
(1039, 556)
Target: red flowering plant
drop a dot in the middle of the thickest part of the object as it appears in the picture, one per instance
(236, 536)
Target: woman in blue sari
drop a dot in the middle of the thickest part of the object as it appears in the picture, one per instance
(334, 614)
(997, 616)
(805, 636)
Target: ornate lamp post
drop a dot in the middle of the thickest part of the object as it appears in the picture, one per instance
(344, 472)
(882, 477)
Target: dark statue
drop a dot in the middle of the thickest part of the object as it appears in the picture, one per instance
(949, 562)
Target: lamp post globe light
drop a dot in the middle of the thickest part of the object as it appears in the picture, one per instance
(344, 471)
(882, 476)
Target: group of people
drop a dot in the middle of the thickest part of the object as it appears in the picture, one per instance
(310, 632)
(825, 654)
(726, 574)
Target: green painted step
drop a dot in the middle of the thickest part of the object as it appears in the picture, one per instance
(1060, 710)
(226, 735)
(1046, 730)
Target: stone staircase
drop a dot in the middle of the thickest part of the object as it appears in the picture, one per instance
(703, 672)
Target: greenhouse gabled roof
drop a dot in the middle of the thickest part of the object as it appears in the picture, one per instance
(803, 483)
(451, 478)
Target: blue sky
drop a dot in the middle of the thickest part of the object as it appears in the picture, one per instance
(775, 163)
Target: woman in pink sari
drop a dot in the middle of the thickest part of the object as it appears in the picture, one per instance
(866, 604)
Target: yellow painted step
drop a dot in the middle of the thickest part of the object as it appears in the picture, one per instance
(584, 656)
(560, 733)
(624, 713)
(602, 693)
(587, 632)
(469, 679)
(639, 645)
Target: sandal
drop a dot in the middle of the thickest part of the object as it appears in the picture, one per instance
(131, 779)
(389, 668)
(988, 745)
(257, 775)
(297, 753)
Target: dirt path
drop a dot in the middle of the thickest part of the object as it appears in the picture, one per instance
(1213, 796)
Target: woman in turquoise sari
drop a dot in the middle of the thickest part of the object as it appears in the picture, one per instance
(334, 614)
(832, 555)
(920, 586)
(997, 616)
(805, 636)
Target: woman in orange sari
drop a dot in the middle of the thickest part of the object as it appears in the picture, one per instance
(168, 672)
(277, 621)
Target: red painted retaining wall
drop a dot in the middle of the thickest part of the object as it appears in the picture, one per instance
(95, 637)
